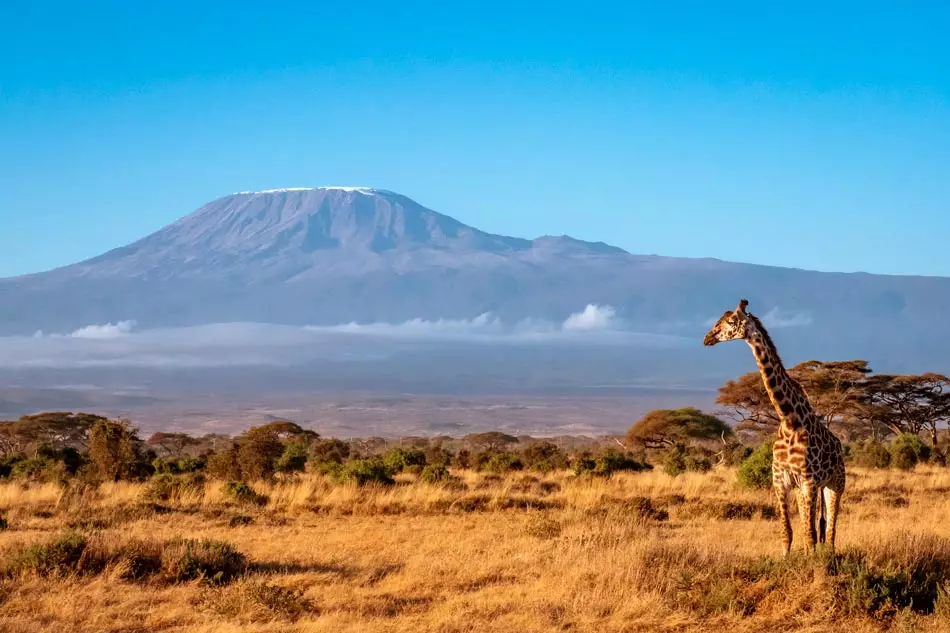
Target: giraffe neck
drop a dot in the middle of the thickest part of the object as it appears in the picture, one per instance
(787, 396)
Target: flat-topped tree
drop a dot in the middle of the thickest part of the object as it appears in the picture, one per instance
(806, 456)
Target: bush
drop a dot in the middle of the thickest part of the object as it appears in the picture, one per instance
(497, 462)
(331, 451)
(756, 470)
(400, 460)
(178, 466)
(176, 560)
(258, 451)
(544, 457)
(681, 460)
(870, 454)
(293, 459)
(225, 464)
(167, 487)
(735, 454)
(240, 493)
(115, 451)
(436, 455)
(257, 602)
(908, 450)
(435, 474)
(362, 472)
(57, 557)
(216, 562)
(464, 459)
(607, 463)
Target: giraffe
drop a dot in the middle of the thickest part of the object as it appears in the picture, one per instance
(806, 456)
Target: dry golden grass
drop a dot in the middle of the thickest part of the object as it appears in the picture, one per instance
(637, 552)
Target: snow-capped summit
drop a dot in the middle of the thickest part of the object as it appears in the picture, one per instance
(363, 190)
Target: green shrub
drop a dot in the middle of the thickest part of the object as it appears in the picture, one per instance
(735, 454)
(225, 464)
(293, 459)
(362, 472)
(583, 464)
(57, 557)
(756, 470)
(116, 451)
(681, 460)
(613, 461)
(400, 460)
(435, 474)
(908, 450)
(436, 455)
(240, 493)
(870, 454)
(329, 451)
(216, 562)
(258, 451)
(606, 463)
(33, 468)
(464, 459)
(167, 487)
(178, 466)
(497, 462)
(544, 457)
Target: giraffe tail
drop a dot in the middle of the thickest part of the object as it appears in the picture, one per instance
(822, 511)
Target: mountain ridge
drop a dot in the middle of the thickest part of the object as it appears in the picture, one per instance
(324, 256)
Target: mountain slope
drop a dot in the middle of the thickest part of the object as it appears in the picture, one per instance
(334, 255)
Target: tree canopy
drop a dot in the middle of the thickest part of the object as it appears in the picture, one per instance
(676, 427)
(855, 402)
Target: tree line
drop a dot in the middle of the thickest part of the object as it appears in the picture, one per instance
(863, 408)
(858, 404)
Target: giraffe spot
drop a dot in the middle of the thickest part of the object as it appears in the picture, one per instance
(773, 383)
(768, 372)
(786, 408)
(779, 394)
(800, 410)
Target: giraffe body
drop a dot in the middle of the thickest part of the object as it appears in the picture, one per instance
(806, 457)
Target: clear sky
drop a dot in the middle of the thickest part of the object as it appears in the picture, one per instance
(813, 135)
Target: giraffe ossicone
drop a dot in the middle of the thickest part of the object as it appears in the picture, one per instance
(806, 456)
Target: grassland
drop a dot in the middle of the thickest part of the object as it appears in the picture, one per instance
(635, 552)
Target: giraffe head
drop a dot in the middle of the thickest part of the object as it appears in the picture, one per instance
(731, 326)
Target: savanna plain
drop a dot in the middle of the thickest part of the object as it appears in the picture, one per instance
(474, 551)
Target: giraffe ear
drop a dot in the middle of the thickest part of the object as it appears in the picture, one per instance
(742, 306)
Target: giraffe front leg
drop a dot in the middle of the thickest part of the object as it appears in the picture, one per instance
(807, 496)
(781, 494)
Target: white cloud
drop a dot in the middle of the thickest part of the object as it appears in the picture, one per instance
(106, 331)
(776, 318)
(594, 317)
(260, 344)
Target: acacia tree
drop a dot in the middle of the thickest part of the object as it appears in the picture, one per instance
(833, 387)
(907, 404)
(56, 429)
(115, 450)
(173, 444)
(490, 441)
(673, 428)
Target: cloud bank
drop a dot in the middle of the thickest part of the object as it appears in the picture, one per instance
(249, 344)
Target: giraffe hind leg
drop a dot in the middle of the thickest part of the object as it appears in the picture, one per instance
(806, 508)
(782, 496)
(832, 504)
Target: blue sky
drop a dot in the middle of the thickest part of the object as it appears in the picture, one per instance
(817, 137)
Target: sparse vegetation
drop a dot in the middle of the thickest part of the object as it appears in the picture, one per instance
(279, 527)
(639, 548)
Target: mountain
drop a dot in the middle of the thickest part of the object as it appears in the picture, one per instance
(332, 255)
